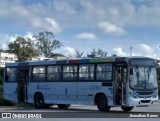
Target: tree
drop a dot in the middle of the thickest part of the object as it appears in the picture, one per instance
(45, 43)
(23, 48)
(54, 55)
(114, 55)
(1, 49)
(99, 52)
(78, 54)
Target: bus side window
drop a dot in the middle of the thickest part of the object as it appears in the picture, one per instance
(39, 73)
(104, 71)
(70, 72)
(53, 73)
(11, 74)
(86, 72)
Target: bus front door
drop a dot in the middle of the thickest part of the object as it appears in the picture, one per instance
(23, 75)
(120, 85)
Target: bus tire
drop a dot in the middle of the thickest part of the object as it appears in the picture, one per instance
(63, 106)
(127, 109)
(102, 103)
(39, 101)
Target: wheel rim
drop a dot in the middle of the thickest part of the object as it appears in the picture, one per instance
(102, 103)
(39, 101)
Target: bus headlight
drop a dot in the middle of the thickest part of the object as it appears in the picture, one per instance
(133, 95)
(155, 94)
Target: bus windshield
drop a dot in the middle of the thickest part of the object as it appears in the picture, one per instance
(143, 78)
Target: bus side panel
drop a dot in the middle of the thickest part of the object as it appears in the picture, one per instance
(61, 92)
(34, 87)
(10, 91)
(88, 90)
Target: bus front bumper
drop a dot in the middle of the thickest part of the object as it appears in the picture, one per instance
(142, 101)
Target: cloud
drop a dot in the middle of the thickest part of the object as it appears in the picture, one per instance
(54, 26)
(7, 39)
(86, 36)
(111, 16)
(141, 49)
(67, 51)
(29, 17)
(64, 7)
(148, 51)
(111, 28)
(119, 51)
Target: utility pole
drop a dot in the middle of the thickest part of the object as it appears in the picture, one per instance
(131, 48)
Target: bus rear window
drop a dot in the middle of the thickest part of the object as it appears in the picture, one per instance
(11, 74)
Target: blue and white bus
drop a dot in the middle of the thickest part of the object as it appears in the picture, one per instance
(124, 82)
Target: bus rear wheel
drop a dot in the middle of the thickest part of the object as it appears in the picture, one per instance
(102, 103)
(39, 101)
(63, 106)
(127, 109)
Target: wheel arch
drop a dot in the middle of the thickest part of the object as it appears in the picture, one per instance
(36, 93)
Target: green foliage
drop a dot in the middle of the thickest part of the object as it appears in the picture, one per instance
(78, 54)
(45, 43)
(57, 55)
(23, 48)
(100, 52)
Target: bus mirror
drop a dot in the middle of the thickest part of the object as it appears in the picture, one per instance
(131, 71)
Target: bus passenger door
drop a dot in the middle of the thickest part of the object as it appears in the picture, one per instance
(23, 76)
(120, 78)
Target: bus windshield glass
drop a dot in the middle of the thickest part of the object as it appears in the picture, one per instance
(143, 78)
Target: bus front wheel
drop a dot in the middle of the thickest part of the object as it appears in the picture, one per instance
(39, 101)
(102, 103)
(63, 106)
(127, 109)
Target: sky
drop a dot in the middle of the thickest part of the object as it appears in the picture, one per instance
(112, 25)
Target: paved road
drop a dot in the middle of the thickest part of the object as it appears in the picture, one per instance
(78, 108)
(81, 112)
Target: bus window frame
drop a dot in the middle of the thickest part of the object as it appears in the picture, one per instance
(58, 80)
(105, 71)
(32, 73)
(73, 80)
(6, 80)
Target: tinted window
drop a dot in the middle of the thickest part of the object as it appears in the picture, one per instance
(39, 73)
(142, 62)
(11, 74)
(104, 72)
(86, 72)
(53, 73)
(70, 72)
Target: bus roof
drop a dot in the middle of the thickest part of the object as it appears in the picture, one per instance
(74, 61)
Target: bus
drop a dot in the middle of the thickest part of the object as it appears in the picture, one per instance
(125, 82)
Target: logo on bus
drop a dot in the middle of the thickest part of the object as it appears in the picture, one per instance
(95, 87)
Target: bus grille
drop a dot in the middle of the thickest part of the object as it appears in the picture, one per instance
(145, 93)
(145, 101)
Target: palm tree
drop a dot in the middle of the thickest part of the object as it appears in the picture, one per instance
(78, 54)
(99, 52)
